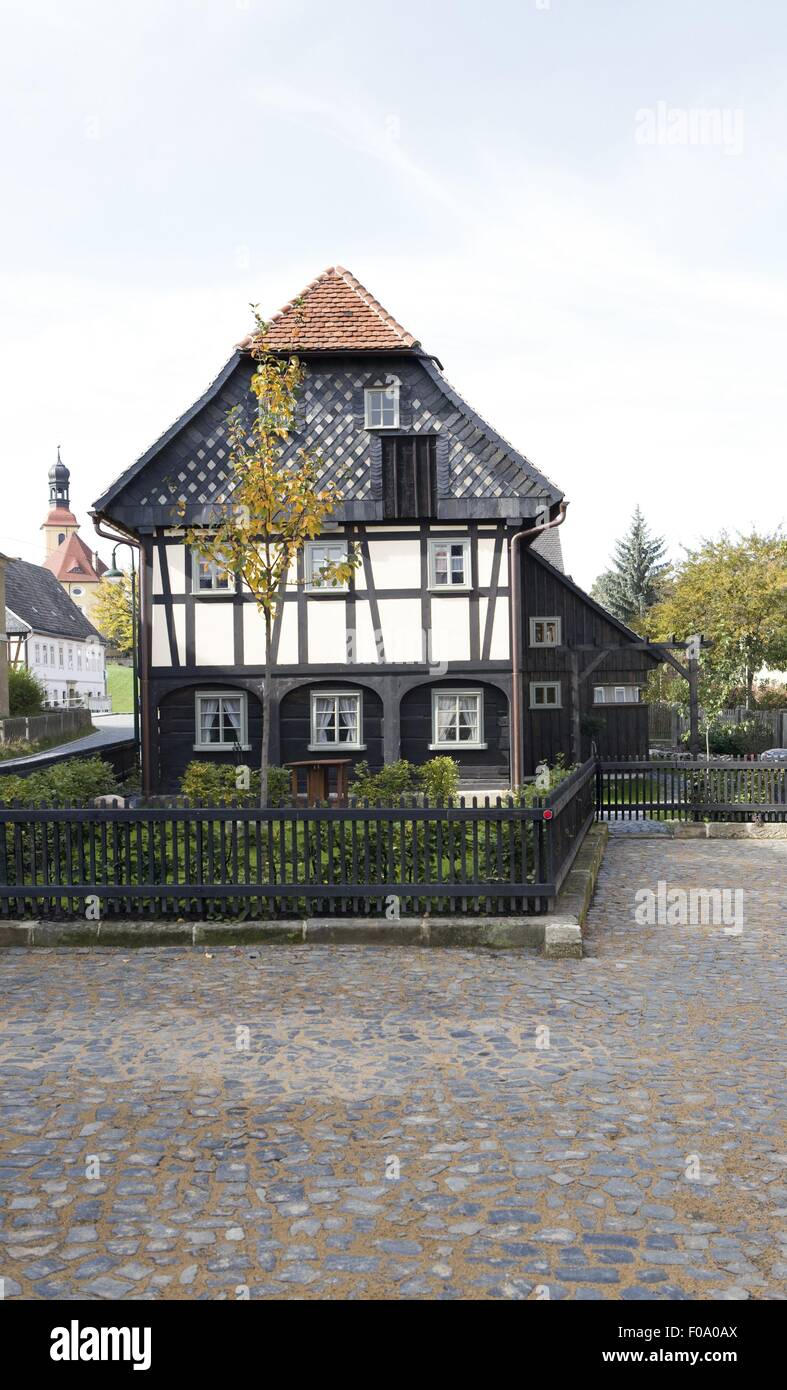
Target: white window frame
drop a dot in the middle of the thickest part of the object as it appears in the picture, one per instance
(392, 393)
(543, 704)
(213, 591)
(461, 745)
(467, 582)
(609, 694)
(230, 746)
(310, 584)
(314, 696)
(534, 642)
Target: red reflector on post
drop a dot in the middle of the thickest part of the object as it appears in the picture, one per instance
(547, 815)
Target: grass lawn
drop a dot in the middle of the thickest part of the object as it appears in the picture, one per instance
(119, 688)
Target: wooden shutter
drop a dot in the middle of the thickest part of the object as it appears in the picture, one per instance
(409, 477)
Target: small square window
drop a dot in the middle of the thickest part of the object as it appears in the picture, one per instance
(221, 720)
(545, 632)
(545, 695)
(381, 407)
(319, 555)
(449, 565)
(457, 719)
(336, 719)
(208, 576)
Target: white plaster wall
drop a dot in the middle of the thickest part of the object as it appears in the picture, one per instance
(327, 631)
(400, 620)
(395, 565)
(450, 629)
(288, 638)
(56, 678)
(501, 637)
(159, 641)
(213, 634)
(365, 646)
(253, 635)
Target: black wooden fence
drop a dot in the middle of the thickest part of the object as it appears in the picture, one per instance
(714, 790)
(473, 855)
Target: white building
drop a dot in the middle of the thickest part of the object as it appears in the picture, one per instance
(49, 635)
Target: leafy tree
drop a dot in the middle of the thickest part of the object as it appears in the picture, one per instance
(26, 694)
(112, 613)
(638, 575)
(735, 593)
(274, 502)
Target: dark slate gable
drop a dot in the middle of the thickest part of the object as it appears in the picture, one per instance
(34, 595)
(479, 473)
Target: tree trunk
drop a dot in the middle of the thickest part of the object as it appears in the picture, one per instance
(266, 712)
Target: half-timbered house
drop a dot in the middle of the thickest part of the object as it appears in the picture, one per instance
(414, 657)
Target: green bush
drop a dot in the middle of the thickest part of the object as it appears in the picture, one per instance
(749, 736)
(440, 779)
(26, 694)
(216, 784)
(73, 779)
(386, 787)
(437, 779)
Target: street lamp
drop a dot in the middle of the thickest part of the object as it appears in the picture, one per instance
(113, 574)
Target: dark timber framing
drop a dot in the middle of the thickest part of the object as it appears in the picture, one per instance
(442, 474)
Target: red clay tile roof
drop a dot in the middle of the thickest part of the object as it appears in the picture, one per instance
(334, 313)
(73, 560)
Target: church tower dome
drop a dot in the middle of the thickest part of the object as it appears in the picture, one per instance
(60, 521)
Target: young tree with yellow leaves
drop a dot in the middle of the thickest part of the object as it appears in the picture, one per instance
(273, 504)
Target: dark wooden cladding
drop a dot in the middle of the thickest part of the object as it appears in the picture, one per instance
(475, 765)
(409, 465)
(177, 733)
(622, 729)
(295, 724)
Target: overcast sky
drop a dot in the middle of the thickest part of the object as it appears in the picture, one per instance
(540, 192)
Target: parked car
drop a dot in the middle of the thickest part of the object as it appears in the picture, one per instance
(774, 755)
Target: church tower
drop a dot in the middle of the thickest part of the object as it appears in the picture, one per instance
(78, 568)
(60, 521)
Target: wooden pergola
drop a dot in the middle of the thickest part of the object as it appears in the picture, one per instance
(664, 651)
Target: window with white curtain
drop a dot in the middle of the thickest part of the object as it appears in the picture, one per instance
(457, 719)
(449, 564)
(616, 694)
(221, 720)
(336, 719)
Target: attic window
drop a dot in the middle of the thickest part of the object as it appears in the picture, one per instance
(381, 407)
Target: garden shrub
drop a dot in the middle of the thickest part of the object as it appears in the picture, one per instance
(73, 779)
(26, 694)
(215, 784)
(440, 778)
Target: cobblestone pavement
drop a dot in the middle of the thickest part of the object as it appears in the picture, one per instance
(397, 1127)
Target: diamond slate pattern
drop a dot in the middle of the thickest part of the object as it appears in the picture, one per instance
(193, 464)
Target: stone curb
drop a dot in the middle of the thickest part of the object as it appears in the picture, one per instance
(559, 932)
(705, 830)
